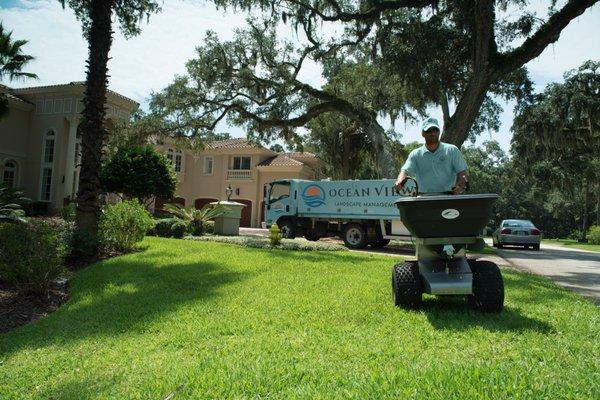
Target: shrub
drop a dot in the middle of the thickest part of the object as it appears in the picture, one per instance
(84, 244)
(209, 227)
(163, 227)
(123, 225)
(68, 212)
(594, 234)
(139, 172)
(196, 218)
(265, 243)
(178, 229)
(274, 235)
(31, 255)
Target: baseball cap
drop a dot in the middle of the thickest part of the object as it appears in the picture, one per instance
(430, 123)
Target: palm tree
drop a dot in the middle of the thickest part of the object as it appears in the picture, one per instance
(194, 216)
(12, 62)
(12, 59)
(96, 18)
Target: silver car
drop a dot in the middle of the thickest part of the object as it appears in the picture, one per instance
(517, 232)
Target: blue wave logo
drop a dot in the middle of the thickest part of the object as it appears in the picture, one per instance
(313, 196)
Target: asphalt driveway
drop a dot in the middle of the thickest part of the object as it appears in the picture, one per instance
(575, 269)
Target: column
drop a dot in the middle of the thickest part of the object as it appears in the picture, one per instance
(70, 159)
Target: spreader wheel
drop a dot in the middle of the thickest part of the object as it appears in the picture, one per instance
(488, 287)
(407, 286)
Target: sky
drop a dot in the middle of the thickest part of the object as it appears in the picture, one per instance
(150, 61)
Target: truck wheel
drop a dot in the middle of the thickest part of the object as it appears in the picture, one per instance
(380, 243)
(287, 228)
(312, 236)
(488, 287)
(407, 286)
(355, 236)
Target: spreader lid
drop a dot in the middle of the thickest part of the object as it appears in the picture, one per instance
(445, 197)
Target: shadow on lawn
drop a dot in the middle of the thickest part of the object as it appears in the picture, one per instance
(524, 290)
(120, 295)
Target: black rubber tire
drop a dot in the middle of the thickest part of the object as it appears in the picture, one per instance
(311, 236)
(536, 247)
(488, 287)
(359, 242)
(407, 285)
(287, 228)
(499, 245)
(380, 243)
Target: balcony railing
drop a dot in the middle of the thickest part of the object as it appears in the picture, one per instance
(239, 174)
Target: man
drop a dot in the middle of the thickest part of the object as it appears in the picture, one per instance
(437, 166)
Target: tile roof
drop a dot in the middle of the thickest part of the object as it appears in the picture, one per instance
(237, 143)
(280, 160)
(77, 83)
(305, 154)
(5, 90)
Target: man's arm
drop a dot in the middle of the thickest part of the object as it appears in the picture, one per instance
(401, 176)
(461, 182)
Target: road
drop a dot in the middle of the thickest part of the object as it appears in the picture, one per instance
(575, 269)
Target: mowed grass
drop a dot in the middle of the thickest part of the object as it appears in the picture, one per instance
(200, 320)
(573, 243)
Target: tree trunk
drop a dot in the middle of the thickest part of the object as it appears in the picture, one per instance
(598, 204)
(585, 211)
(345, 156)
(457, 130)
(93, 130)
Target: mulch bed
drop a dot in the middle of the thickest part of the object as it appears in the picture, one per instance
(17, 309)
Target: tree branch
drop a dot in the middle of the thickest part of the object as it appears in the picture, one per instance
(546, 34)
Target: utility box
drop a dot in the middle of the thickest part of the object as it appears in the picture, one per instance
(229, 222)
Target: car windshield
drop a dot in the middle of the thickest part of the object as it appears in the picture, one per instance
(517, 223)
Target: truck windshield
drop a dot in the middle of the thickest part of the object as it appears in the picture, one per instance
(279, 191)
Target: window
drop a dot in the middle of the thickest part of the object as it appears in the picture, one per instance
(47, 165)
(279, 190)
(176, 158)
(241, 162)
(9, 176)
(208, 165)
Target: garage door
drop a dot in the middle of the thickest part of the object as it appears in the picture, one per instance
(246, 220)
(199, 203)
(159, 203)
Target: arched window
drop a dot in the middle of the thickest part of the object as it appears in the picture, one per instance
(176, 158)
(47, 165)
(9, 175)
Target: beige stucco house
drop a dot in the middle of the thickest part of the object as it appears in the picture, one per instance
(39, 152)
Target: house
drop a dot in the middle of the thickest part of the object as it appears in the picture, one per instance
(237, 163)
(39, 145)
(40, 153)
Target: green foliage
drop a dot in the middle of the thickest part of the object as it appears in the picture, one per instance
(12, 59)
(178, 229)
(163, 226)
(11, 203)
(208, 227)
(84, 244)
(68, 212)
(594, 234)
(275, 235)
(31, 255)
(124, 224)
(129, 13)
(139, 172)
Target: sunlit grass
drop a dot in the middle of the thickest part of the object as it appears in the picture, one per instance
(573, 243)
(211, 320)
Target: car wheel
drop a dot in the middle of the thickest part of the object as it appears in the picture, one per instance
(488, 287)
(499, 245)
(355, 236)
(536, 246)
(407, 286)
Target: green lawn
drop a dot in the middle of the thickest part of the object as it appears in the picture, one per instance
(573, 243)
(211, 320)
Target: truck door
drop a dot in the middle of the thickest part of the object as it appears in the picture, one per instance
(279, 202)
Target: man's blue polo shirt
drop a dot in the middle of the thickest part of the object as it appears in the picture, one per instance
(435, 172)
